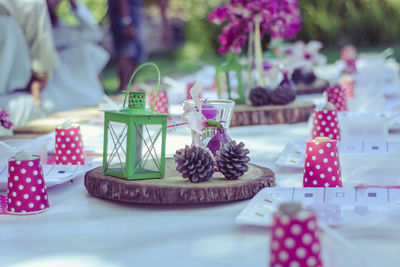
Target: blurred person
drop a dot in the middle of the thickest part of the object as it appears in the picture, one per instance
(27, 57)
(125, 17)
(75, 83)
(29, 47)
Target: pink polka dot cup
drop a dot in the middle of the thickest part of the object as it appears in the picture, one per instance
(26, 189)
(69, 146)
(322, 166)
(188, 88)
(295, 238)
(326, 124)
(348, 52)
(336, 95)
(348, 82)
(161, 103)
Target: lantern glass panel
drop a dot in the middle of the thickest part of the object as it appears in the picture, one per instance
(148, 148)
(116, 146)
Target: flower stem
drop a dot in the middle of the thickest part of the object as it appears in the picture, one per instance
(258, 51)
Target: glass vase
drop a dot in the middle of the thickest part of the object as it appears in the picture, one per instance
(224, 116)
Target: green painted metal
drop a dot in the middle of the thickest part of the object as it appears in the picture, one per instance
(232, 64)
(137, 120)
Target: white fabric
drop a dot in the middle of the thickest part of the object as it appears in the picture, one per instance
(21, 108)
(75, 83)
(26, 45)
(32, 16)
(80, 230)
(14, 56)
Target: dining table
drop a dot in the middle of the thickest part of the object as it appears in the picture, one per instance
(82, 230)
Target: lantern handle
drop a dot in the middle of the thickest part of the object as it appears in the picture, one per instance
(158, 82)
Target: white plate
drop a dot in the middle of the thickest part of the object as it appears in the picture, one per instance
(53, 174)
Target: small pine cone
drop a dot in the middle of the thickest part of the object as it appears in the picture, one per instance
(309, 78)
(232, 160)
(297, 76)
(259, 96)
(195, 163)
(283, 95)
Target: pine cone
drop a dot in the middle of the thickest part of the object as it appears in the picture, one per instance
(195, 163)
(309, 78)
(232, 160)
(297, 76)
(282, 95)
(259, 96)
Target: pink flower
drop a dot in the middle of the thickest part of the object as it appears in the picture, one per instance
(196, 121)
(6, 124)
(304, 55)
(348, 52)
(4, 113)
(218, 15)
(4, 121)
(280, 18)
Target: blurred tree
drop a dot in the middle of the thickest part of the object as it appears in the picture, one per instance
(334, 22)
(98, 7)
(361, 22)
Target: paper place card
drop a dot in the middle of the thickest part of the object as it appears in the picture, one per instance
(350, 147)
(293, 154)
(334, 206)
(375, 147)
(340, 196)
(308, 195)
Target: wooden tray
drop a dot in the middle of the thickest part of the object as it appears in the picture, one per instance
(319, 86)
(296, 111)
(173, 189)
(48, 124)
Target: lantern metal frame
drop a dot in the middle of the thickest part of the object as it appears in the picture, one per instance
(136, 118)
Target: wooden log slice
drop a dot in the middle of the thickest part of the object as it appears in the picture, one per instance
(319, 86)
(173, 189)
(297, 111)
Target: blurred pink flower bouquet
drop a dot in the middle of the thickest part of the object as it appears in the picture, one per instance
(4, 121)
(280, 18)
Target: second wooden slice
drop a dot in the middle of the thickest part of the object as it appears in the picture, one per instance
(297, 111)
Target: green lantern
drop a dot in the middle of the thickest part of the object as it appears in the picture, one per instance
(134, 137)
(232, 65)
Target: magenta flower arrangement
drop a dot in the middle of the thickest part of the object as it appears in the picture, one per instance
(279, 18)
(4, 119)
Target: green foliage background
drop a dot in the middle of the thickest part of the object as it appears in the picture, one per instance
(371, 25)
(334, 22)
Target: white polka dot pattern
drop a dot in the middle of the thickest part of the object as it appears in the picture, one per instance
(161, 103)
(326, 124)
(69, 147)
(337, 97)
(26, 191)
(322, 169)
(297, 243)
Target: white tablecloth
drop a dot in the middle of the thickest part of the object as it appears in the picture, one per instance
(80, 230)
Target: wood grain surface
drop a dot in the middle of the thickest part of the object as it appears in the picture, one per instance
(173, 189)
(297, 111)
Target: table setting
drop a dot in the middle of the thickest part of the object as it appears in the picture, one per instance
(282, 161)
